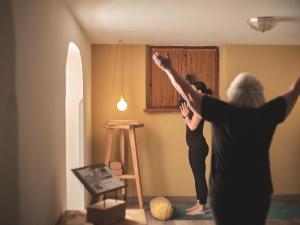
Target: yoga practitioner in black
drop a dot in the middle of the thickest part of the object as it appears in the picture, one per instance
(198, 150)
(240, 181)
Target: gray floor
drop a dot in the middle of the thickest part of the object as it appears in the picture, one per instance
(153, 221)
(79, 218)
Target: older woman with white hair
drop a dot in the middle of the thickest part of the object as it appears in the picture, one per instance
(240, 180)
(246, 91)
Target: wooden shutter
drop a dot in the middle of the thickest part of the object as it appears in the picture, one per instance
(200, 62)
(162, 92)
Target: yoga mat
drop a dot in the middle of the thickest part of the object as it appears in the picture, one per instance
(277, 211)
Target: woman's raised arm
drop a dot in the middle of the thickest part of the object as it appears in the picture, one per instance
(192, 97)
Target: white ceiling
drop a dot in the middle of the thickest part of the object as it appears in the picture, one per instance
(186, 22)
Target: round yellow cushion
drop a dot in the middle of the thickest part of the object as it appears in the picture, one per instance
(161, 208)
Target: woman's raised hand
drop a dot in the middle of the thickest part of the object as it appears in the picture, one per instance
(162, 62)
(184, 109)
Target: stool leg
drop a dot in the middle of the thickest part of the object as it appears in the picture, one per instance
(122, 146)
(136, 166)
(122, 151)
(108, 144)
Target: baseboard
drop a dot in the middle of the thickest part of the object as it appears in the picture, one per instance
(188, 199)
(286, 197)
(147, 199)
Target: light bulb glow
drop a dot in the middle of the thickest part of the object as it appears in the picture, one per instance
(122, 105)
(253, 19)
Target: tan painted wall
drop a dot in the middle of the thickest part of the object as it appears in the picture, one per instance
(43, 30)
(161, 143)
(276, 67)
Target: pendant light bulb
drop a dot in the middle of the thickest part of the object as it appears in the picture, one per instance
(122, 105)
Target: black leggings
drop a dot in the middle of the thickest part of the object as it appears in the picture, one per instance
(197, 156)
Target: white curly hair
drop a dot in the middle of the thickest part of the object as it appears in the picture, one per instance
(246, 91)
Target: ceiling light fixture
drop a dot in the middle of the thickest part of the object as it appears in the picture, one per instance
(262, 23)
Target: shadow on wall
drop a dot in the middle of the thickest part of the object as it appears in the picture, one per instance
(9, 194)
(55, 194)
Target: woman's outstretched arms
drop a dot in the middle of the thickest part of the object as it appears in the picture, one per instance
(291, 95)
(192, 97)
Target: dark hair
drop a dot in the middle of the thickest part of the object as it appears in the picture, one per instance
(200, 85)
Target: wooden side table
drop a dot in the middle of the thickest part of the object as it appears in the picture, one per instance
(123, 125)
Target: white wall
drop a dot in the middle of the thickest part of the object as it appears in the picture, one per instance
(74, 127)
(43, 30)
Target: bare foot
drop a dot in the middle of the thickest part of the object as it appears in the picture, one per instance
(193, 207)
(197, 211)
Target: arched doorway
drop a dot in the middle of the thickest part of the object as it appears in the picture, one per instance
(74, 126)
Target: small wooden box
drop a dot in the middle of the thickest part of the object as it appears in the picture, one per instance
(106, 214)
(115, 165)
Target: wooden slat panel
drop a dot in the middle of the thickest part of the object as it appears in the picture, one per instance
(202, 64)
(162, 91)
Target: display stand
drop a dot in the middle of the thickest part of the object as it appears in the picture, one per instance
(122, 126)
(99, 180)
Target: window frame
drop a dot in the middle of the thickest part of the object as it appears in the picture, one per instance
(149, 49)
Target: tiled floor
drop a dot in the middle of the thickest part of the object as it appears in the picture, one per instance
(136, 216)
(152, 221)
(133, 217)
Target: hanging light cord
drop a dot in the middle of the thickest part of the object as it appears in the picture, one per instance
(120, 42)
(122, 75)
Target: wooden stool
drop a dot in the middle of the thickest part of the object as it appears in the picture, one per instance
(123, 125)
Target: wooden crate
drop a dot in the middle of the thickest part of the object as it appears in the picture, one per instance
(106, 214)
